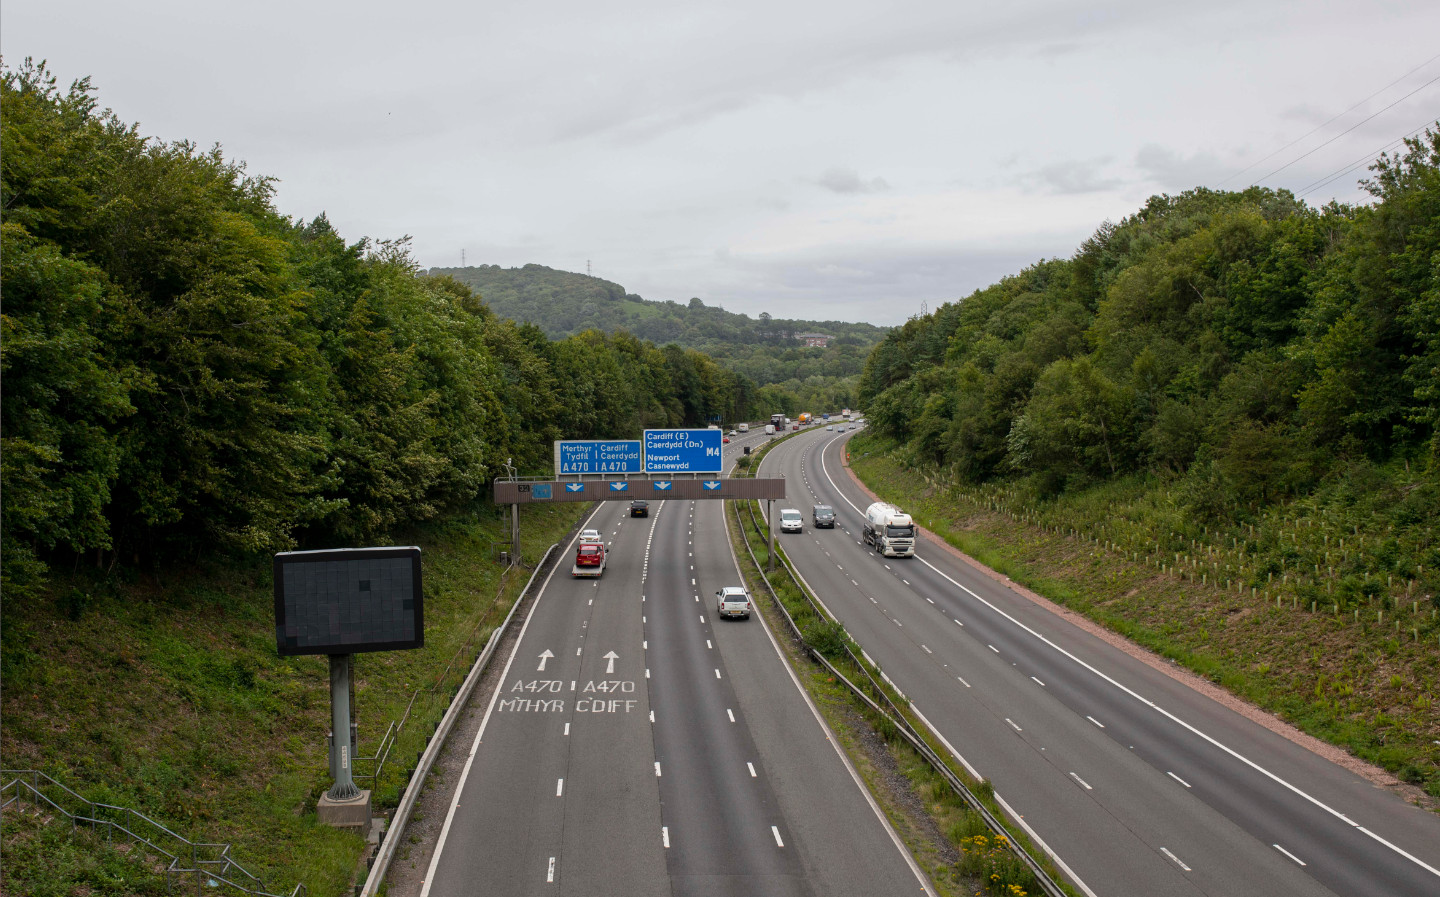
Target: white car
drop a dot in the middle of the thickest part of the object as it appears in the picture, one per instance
(791, 521)
(831, 427)
(590, 535)
(733, 601)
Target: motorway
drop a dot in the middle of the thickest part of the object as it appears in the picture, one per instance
(638, 745)
(1134, 782)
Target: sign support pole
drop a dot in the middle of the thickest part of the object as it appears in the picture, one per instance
(770, 513)
(515, 534)
(340, 747)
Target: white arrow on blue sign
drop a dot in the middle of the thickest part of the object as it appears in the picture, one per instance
(619, 487)
(574, 487)
(662, 486)
(711, 484)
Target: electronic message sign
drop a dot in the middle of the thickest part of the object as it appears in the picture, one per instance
(683, 451)
(348, 600)
(598, 456)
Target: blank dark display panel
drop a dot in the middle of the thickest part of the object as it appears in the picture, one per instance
(349, 600)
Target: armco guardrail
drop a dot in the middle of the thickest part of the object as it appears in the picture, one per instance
(211, 866)
(894, 715)
(386, 854)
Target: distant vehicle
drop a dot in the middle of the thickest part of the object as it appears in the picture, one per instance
(724, 438)
(769, 429)
(845, 414)
(890, 530)
(744, 428)
(777, 420)
(747, 449)
(804, 417)
(713, 427)
(589, 559)
(794, 426)
(830, 427)
(733, 601)
(826, 415)
(791, 521)
(731, 433)
(823, 516)
(639, 508)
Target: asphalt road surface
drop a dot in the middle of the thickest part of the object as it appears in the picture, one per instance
(1138, 784)
(637, 745)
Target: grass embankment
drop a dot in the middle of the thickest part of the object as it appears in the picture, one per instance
(166, 694)
(975, 860)
(1292, 610)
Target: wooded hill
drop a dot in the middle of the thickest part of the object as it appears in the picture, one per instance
(765, 350)
(187, 371)
(1224, 409)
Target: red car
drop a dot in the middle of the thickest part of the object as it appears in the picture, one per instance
(725, 439)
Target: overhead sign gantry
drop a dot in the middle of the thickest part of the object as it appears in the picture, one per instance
(682, 464)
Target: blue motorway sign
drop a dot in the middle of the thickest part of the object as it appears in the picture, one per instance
(710, 485)
(620, 487)
(661, 485)
(574, 487)
(598, 456)
(683, 451)
(540, 490)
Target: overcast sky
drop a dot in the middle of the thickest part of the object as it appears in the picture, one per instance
(834, 160)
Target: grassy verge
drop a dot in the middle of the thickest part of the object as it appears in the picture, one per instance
(166, 694)
(951, 841)
(1351, 659)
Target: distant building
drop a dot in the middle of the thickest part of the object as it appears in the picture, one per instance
(814, 340)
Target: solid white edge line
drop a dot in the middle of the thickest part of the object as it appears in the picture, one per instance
(1167, 714)
(475, 746)
(834, 740)
(1055, 857)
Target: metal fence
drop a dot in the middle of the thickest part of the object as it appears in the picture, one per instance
(210, 867)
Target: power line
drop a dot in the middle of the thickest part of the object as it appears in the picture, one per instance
(1323, 124)
(1349, 129)
(1331, 178)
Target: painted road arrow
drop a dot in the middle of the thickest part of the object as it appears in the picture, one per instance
(662, 486)
(611, 657)
(711, 485)
(544, 658)
(619, 487)
(574, 487)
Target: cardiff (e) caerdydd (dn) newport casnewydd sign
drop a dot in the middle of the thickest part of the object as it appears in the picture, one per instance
(683, 451)
(598, 456)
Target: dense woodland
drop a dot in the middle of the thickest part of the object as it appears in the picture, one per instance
(765, 349)
(188, 371)
(1240, 351)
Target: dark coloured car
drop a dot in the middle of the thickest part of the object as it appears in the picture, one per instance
(639, 508)
(823, 515)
